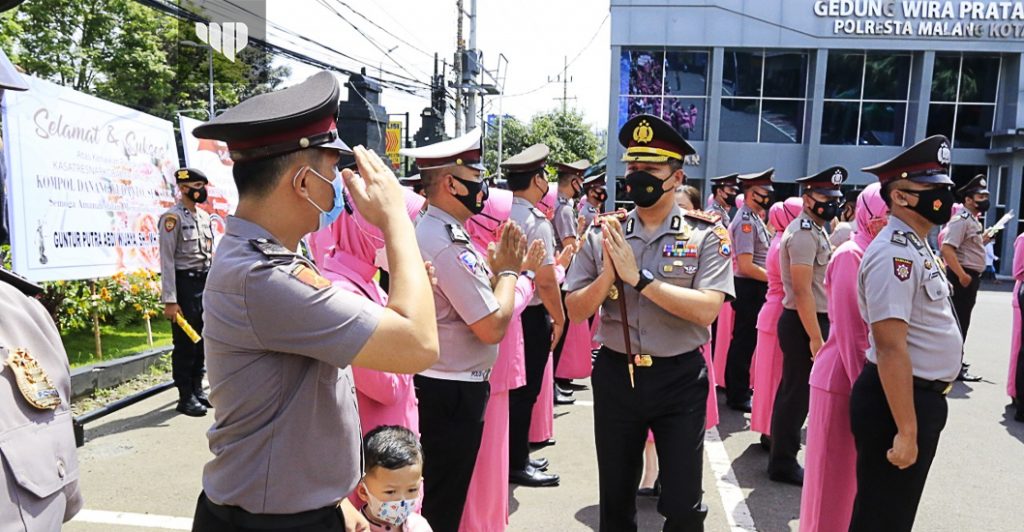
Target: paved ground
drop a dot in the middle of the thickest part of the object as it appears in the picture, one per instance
(147, 461)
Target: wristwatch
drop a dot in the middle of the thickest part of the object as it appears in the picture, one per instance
(529, 274)
(646, 278)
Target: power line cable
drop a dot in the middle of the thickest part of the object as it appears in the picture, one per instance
(566, 67)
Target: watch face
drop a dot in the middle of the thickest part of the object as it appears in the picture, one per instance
(646, 274)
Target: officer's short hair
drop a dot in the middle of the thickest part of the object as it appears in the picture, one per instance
(391, 447)
(430, 178)
(255, 179)
(566, 177)
(521, 180)
(674, 164)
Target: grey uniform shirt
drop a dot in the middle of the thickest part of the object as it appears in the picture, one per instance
(684, 251)
(462, 295)
(279, 340)
(718, 209)
(805, 242)
(965, 234)
(749, 236)
(901, 278)
(38, 461)
(186, 243)
(589, 212)
(564, 220)
(536, 227)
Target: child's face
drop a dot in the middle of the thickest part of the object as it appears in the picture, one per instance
(393, 484)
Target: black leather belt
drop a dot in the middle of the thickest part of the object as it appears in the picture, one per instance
(194, 274)
(942, 387)
(645, 361)
(239, 517)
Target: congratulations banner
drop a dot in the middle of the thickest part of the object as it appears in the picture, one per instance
(87, 181)
(211, 157)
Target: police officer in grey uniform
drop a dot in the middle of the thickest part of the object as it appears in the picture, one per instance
(474, 301)
(675, 274)
(963, 250)
(186, 250)
(565, 221)
(750, 240)
(544, 317)
(803, 326)
(898, 404)
(38, 462)
(594, 196)
(280, 339)
(724, 191)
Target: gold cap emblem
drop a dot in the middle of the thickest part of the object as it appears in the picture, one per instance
(643, 132)
(182, 174)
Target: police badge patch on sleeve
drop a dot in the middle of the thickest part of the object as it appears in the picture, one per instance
(33, 382)
(902, 268)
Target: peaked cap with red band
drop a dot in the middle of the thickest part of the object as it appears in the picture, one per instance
(757, 179)
(649, 139)
(277, 123)
(465, 150)
(925, 162)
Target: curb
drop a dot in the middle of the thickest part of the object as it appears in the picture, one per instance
(87, 379)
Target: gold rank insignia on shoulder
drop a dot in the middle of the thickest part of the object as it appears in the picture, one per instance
(643, 361)
(33, 382)
(309, 276)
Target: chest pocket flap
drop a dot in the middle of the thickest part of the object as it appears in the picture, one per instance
(42, 456)
(937, 288)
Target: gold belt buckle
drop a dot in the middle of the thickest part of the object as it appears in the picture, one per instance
(643, 361)
(949, 388)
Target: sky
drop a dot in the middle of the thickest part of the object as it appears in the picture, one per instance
(535, 36)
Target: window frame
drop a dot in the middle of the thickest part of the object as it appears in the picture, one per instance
(959, 83)
(760, 98)
(664, 96)
(861, 100)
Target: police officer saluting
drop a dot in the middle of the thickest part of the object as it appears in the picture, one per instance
(963, 250)
(750, 241)
(186, 250)
(279, 337)
(898, 404)
(724, 191)
(544, 318)
(675, 274)
(473, 298)
(803, 256)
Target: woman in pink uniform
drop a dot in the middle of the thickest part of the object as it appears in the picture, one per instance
(345, 253)
(723, 335)
(767, 362)
(1015, 382)
(830, 478)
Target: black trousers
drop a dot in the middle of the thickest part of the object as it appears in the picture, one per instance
(793, 395)
(887, 497)
(537, 346)
(1020, 357)
(210, 517)
(188, 360)
(556, 353)
(670, 399)
(451, 425)
(750, 296)
(964, 298)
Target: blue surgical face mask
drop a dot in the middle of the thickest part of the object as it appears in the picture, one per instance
(327, 217)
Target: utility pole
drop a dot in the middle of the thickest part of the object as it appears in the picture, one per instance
(564, 79)
(459, 49)
(470, 94)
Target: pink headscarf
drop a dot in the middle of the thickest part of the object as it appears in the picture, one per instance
(483, 227)
(739, 200)
(351, 239)
(549, 201)
(782, 213)
(872, 214)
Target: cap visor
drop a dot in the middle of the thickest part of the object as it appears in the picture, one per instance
(936, 179)
(644, 159)
(337, 145)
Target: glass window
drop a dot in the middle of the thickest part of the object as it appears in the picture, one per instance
(782, 120)
(940, 119)
(1004, 186)
(979, 79)
(866, 98)
(740, 119)
(945, 78)
(686, 115)
(972, 122)
(965, 88)
(741, 73)
(785, 75)
(843, 76)
(644, 70)
(765, 94)
(686, 73)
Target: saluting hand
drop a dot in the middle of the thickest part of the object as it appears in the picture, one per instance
(374, 190)
(534, 256)
(904, 451)
(509, 252)
(621, 254)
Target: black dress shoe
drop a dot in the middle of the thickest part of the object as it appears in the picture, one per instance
(563, 400)
(201, 396)
(792, 476)
(576, 387)
(654, 491)
(541, 444)
(745, 406)
(766, 443)
(532, 478)
(191, 407)
(966, 376)
(540, 463)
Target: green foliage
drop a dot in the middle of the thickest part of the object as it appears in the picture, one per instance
(127, 53)
(117, 341)
(566, 134)
(5, 256)
(124, 299)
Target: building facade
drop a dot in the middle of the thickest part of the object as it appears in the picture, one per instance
(800, 85)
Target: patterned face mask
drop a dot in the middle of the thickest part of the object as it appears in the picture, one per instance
(390, 512)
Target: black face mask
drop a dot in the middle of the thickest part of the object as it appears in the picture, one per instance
(934, 205)
(983, 205)
(644, 189)
(730, 200)
(474, 188)
(764, 201)
(198, 195)
(601, 196)
(826, 210)
(577, 190)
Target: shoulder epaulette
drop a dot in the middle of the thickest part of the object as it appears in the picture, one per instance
(965, 214)
(899, 238)
(272, 250)
(24, 285)
(537, 212)
(704, 216)
(457, 234)
(806, 224)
